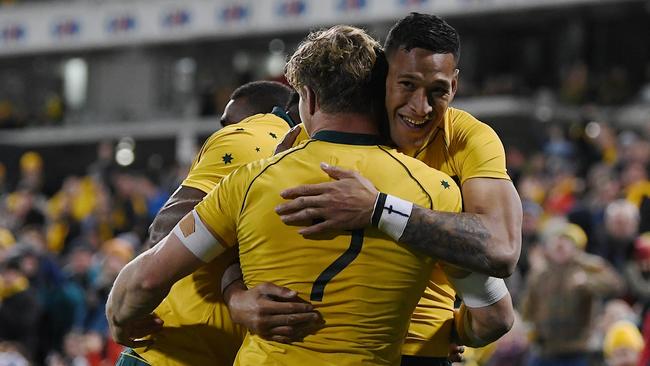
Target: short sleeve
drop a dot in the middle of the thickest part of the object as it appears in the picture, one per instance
(448, 198)
(219, 209)
(481, 154)
(222, 153)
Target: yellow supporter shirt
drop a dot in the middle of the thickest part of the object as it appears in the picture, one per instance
(198, 329)
(364, 284)
(465, 148)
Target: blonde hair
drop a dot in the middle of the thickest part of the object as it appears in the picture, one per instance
(337, 63)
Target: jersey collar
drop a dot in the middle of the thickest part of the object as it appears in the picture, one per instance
(446, 125)
(347, 138)
(282, 114)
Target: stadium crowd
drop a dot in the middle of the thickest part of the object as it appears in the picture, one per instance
(581, 289)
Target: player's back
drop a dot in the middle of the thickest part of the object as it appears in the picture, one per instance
(364, 284)
(198, 329)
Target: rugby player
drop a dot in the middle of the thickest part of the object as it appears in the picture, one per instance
(197, 327)
(365, 286)
(423, 52)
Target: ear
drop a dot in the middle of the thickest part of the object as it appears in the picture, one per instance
(310, 100)
(454, 83)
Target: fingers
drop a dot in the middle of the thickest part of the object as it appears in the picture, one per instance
(142, 329)
(306, 190)
(456, 352)
(133, 343)
(271, 307)
(303, 216)
(288, 140)
(278, 338)
(273, 321)
(336, 172)
(270, 289)
(317, 229)
(299, 204)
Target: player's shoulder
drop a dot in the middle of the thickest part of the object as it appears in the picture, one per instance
(416, 168)
(463, 123)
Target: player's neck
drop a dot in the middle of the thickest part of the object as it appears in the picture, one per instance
(344, 122)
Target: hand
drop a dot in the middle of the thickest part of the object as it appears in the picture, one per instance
(455, 352)
(272, 312)
(345, 204)
(130, 333)
(288, 140)
(578, 280)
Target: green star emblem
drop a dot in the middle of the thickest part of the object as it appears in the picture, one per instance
(227, 158)
(257, 149)
(273, 135)
(445, 184)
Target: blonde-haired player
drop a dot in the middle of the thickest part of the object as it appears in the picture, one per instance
(364, 285)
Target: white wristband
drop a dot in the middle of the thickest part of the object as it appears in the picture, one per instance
(197, 238)
(479, 290)
(391, 214)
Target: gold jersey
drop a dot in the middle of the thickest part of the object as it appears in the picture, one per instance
(197, 326)
(464, 148)
(364, 284)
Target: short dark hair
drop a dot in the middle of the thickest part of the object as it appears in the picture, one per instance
(425, 31)
(262, 96)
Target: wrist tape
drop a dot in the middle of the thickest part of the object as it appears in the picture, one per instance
(391, 214)
(479, 290)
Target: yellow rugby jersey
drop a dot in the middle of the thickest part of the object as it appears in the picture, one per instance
(229, 148)
(198, 329)
(464, 148)
(365, 285)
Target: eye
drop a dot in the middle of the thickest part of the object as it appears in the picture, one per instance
(407, 84)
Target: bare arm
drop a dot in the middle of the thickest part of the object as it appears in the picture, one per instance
(176, 207)
(143, 284)
(486, 238)
(486, 324)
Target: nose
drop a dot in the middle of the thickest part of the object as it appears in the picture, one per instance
(420, 103)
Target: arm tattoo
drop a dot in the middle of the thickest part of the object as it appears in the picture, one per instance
(457, 238)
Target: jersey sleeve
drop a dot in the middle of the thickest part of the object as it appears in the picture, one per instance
(481, 153)
(221, 154)
(448, 197)
(219, 209)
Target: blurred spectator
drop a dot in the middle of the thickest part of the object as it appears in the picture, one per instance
(614, 240)
(100, 169)
(117, 253)
(637, 272)
(623, 344)
(31, 172)
(12, 354)
(575, 84)
(19, 305)
(129, 206)
(560, 299)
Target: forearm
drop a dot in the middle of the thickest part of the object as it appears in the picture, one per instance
(232, 282)
(462, 239)
(132, 297)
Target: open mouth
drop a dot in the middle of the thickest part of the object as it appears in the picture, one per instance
(414, 123)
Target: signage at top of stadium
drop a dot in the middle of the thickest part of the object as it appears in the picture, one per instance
(46, 26)
(292, 8)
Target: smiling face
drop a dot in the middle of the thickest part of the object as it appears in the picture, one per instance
(419, 87)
